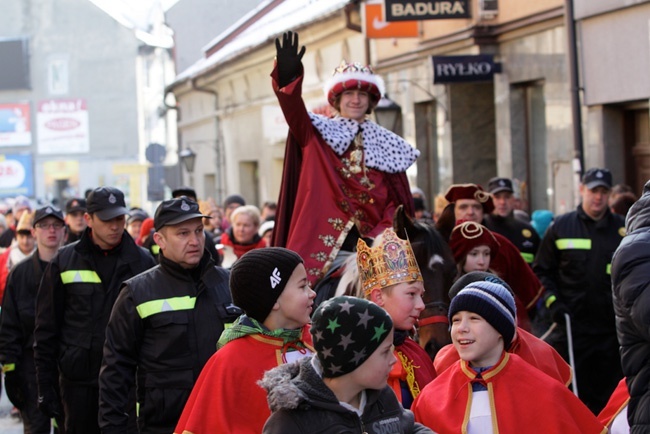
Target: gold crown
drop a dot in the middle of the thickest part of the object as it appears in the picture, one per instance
(389, 263)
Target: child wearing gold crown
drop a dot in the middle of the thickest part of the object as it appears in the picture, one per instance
(391, 278)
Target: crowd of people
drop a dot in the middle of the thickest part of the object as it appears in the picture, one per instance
(202, 318)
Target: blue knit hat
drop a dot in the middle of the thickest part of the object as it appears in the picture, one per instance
(493, 302)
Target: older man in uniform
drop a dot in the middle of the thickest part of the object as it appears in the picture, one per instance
(165, 325)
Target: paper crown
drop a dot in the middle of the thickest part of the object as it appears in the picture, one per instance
(353, 76)
(390, 262)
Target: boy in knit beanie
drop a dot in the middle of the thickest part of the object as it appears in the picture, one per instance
(343, 387)
(391, 278)
(524, 344)
(270, 285)
(490, 387)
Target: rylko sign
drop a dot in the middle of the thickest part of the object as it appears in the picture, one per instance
(411, 10)
(458, 69)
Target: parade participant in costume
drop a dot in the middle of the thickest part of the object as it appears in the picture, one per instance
(390, 277)
(164, 326)
(574, 263)
(348, 167)
(503, 220)
(524, 344)
(473, 246)
(271, 286)
(489, 389)
(242, 235)
(17, 319)
(343, 387)
(470, 202)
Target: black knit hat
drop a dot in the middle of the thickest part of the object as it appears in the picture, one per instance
(258, 278)
(346, 331)
(493, 302)
(476, 276)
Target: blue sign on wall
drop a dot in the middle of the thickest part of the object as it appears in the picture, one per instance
(16, 175)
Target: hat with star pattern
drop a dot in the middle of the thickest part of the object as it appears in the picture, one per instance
(346, 331)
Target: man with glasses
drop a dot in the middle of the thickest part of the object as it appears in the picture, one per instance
(17, 319)
(73, 305)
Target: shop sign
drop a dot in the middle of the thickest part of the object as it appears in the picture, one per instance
(409, 10)
(462, 69)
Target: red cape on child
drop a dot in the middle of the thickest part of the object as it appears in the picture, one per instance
(226, 398)
(523, 400)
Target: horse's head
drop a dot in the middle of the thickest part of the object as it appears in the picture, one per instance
(438, 270)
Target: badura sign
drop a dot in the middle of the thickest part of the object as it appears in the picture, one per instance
(409, 10)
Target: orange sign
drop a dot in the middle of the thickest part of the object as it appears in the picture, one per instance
(377, 27)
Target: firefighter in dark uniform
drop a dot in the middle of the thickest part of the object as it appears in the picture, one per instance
(165, 325)
(75, 209)
(503, 221)
(74, 302)
(17, 320)
(573, 263)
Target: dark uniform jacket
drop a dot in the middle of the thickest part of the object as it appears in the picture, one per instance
(301, 403)
(520, 233)
(573, 263)
(165, 326)
(73, 305)
(631, 287)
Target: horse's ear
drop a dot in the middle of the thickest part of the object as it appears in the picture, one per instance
(402, 223)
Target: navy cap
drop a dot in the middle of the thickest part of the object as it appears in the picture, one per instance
(107, 203)
(135, 215)
(47, 211)
(74, 205)
(597, 177)
(497, 185)
(184, 191)
(174, 211)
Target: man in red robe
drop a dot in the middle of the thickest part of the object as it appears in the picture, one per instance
(344, 176)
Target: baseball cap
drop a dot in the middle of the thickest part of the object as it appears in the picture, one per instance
(47, 211)
(106, 202)
(597, 177)
(136, 215)
(75, 204)
(184, 191)
(497, 185)
(174, 211)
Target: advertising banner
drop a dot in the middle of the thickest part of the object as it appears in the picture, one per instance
(15, 125)
(62, 126)
(16, 175)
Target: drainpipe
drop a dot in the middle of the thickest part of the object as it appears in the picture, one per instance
(179, 136)
(217, 149)
(576, 107)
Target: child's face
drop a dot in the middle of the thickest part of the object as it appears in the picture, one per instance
(476, 341)
(477, 259)
(404, 304)
(373, 373)
(296, 301)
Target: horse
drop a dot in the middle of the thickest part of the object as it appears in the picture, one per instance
(438, 269)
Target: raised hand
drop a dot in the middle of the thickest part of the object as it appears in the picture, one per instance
(289, 58)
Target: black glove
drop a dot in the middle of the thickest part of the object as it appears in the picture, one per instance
(14, 385)
(556, 309)
(289, 59)
(49, 402)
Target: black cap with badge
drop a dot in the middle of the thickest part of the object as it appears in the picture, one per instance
(174, 211)
(47, 211)
(75, 205)
(107, 203)
(597, 177)
(497, 185)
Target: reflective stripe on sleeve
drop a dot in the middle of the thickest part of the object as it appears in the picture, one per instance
(165, 305)
(609, 269)
(573, 243)
(528, 257)
(80, 276)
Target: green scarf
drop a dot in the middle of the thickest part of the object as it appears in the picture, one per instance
(244, 326)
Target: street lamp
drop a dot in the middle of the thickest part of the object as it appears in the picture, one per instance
(389, 115)
(188, 157)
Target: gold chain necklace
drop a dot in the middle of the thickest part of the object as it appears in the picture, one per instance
(357, 163)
